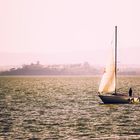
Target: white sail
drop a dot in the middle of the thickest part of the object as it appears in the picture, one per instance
(107, 83)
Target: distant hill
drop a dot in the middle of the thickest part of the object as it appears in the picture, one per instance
(38, 69)
(68, 69)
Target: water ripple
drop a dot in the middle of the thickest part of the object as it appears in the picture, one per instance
(65, 108)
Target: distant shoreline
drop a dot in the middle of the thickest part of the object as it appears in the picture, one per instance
(80, 69)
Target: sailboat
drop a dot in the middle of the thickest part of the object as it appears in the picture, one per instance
(108, 85)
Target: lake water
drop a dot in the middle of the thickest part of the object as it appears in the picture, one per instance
(65, 108)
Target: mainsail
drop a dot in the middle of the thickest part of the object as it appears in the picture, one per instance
(107, 83)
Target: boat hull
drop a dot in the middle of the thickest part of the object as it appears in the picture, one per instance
(114, 99)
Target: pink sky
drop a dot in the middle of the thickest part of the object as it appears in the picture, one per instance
(68, 31)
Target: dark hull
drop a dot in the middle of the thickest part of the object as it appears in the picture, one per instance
(114, 99)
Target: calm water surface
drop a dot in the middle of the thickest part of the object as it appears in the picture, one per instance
(64, 108)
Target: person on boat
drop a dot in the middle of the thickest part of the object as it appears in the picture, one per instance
(130, 92)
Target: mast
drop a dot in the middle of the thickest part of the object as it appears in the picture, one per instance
(115, 59)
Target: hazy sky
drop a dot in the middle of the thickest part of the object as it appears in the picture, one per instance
(68, 31)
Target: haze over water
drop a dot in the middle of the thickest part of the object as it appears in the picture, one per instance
(58, 32)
